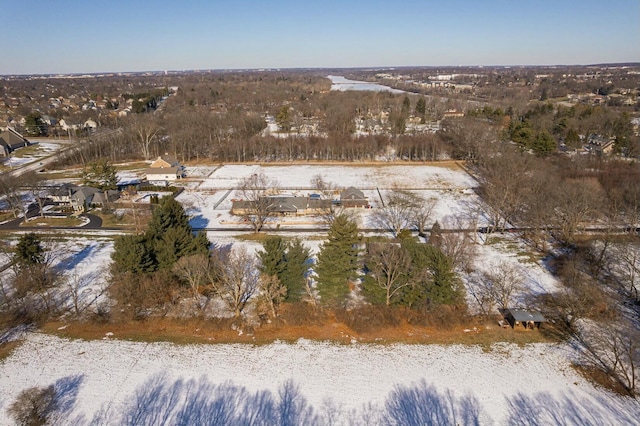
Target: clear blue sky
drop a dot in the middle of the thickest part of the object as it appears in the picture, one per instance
(68, 36)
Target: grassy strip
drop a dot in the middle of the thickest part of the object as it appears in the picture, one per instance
(209, 331)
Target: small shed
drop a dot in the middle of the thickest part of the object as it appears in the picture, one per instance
(525, 318)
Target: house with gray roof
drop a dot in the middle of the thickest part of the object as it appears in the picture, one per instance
(164, 170)
(10, 140)
(283, 205)
(352, 197)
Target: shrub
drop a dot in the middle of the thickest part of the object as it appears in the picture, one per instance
(34, 406)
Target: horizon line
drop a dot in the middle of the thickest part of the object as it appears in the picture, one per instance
(173, 71)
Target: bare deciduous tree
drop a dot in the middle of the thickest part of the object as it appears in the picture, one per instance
(146, 133)
(614, 347)
(577, 203)
(310, 292)
(254, 190)
(624, 265)
(10, 190)
(194, 270)
(237, 279)
(506, 280)
(389, 264)
(497, 286)
(272, 293)
(459, 248)
(421, 214)
(398, 212)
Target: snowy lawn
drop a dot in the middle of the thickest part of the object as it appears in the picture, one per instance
(209, 203)
(507, 385)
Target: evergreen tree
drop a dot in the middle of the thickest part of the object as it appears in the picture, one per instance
(34, 125)
(132, 254)
(170, 214)
(100, 174)
(432, 274)
(435, 236)
(296, 268)
(29, 251)
(283, 118)
(406, 105)
(421, 108)
(521, 133)
(445, 287)
(168, 238)
(338, 261)
(272, 257)
(572, 139)
(174, 243)
(543, 144)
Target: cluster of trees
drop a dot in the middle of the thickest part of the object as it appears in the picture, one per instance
(541, 128)
(167, 263)
(412, 274)
(559, 196)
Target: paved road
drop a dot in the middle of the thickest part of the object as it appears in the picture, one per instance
(95, 222)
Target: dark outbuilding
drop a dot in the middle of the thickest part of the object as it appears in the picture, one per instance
(521, 317)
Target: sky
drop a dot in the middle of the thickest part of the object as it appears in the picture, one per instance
(72, 36)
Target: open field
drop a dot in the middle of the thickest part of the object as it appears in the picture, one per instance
(208, 197)
(505, 385)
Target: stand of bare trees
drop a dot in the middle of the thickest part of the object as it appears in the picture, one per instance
(404, 210)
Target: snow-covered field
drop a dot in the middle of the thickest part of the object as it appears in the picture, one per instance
(209, 201)
(125, 380)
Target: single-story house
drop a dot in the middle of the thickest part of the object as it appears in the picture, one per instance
(521, 317)
(10, 140)
(283, 206)
(352, 197)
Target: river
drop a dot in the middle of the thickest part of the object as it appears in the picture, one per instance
(342, 84)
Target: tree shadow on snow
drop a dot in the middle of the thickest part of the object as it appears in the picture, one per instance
(199, 222)
(67, 392)
(70, 262)
(544, 409)
(162, 401)
(422, 404)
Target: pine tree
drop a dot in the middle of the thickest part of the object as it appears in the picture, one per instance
(338, 261)
(29, 251)
(100, 174)
(170, 214)
(132, 254)
(543, 144)
(272, 256)
(296, 268)
(433, 276)
(421, 108)
(168, 238)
